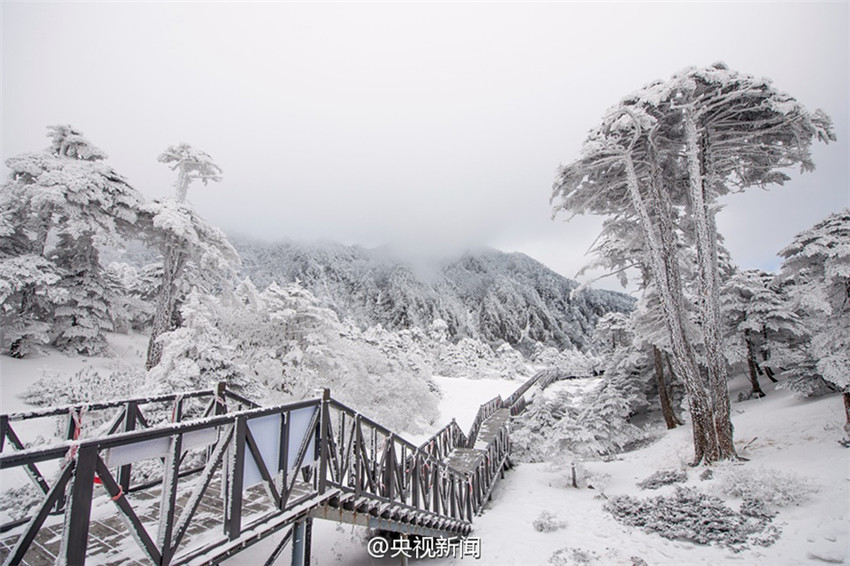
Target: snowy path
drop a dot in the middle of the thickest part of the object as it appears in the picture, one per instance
(791, 435)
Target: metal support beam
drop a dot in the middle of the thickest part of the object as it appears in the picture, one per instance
(403, 554)
(125, 472)
(300, 543)
(235, 473)
(78, 511)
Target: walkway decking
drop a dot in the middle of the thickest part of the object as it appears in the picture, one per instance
(466, 460)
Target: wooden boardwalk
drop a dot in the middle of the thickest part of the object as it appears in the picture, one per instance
(466, 460)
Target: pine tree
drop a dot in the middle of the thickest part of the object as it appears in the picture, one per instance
(676, 146)
(70, 196)
(187, 242)
(816, 272)
(758, 317)
(81, 320)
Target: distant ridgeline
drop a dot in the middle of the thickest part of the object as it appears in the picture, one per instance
(487, 294)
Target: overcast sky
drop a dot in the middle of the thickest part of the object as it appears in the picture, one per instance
(426, 125)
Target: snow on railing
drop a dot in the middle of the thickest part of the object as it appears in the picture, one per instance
(304, 455)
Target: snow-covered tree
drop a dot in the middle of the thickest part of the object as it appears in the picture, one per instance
(816, 272)
(282, 344)
(678, 145)
(758, 319)
(81, 320)
(199, 354)
(187, 242)
(69, 196)
(133, 293)
(28, 294)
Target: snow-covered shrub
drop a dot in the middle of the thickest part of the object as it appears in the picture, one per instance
(88, 385)
(17, 502)
(407, 349)
(771, 486)
(754, 507)
(281, 344)
(468, 358)
(662, 478)
(570, 362)
(695, 516)
(556, 426)
(201, 352)
(509, 363)
(548, 522)
(805, 380)
(572, 557)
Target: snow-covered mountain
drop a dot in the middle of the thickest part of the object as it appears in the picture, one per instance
(486, 294)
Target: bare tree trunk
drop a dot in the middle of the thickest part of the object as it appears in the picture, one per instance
(753, 366)
(665, 272)
(666, 407)
(173, 262)
(172, 266)
(765, 356)
(670, 382)
(706, 244)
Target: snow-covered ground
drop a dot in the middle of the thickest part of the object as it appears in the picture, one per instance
(779, 434)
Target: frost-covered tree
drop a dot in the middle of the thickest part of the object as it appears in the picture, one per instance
(758, 319)
(199, 354)
(633, 363)
(187, 242)
(133, 293)
(67, 196)
(282, 344)
(679, 145)
(559, 425)
(81, 320)
(816, 272)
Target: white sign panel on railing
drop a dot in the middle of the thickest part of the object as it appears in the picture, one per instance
(266, 433)
(158, 447)
(299, 429)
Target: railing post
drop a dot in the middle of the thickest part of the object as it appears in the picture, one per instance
(125, 472)
(414, 479)
(436, 490)
(235, 477)
(387, 474)
(324, 444)
(171, 473)
(453, 497)
(4, 424)
(301, 535)
(220, 398)
(468, 488)
(358, 458)
(78, 510)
